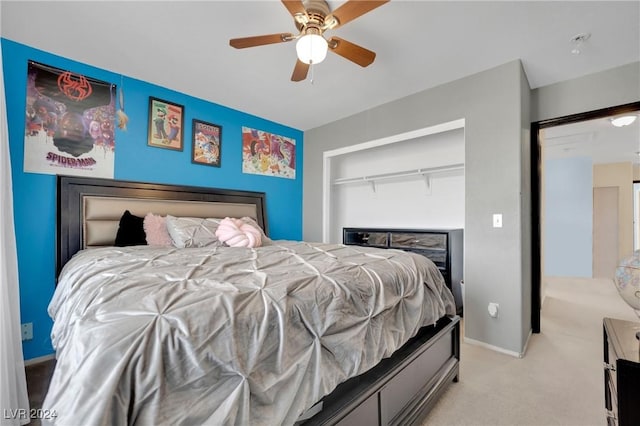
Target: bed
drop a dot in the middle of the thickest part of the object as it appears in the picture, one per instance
(291, 332)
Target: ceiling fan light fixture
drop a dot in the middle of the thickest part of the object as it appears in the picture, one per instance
(311, 48)
(624, 120)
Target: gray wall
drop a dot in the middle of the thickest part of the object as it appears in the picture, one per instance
(525, 210)
(494, 104)
(498, 107)
(617, 86)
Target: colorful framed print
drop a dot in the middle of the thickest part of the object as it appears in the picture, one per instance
(166, 124)
(206, 143)
(267, 154)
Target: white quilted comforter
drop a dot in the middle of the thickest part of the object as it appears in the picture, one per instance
(222, 336)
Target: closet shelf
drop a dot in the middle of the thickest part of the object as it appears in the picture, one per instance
(426, 172)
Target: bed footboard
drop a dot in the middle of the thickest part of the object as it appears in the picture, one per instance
(401, 389)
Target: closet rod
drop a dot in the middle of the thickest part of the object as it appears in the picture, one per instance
(414, 172)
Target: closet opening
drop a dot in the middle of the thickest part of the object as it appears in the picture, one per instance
(410, 180)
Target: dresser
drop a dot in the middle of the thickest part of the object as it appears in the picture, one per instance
(621, 372)
(443, 246)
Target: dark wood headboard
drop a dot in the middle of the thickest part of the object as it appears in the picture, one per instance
(74, 194)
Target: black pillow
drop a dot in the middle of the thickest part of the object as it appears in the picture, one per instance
(131, 231)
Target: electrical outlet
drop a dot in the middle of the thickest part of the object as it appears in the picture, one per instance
(493, 309)
(27, 331)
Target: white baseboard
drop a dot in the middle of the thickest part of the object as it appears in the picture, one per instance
(495, 348)
(526, 344)
(39, 359)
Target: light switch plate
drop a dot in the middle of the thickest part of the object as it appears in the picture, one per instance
(497, 220)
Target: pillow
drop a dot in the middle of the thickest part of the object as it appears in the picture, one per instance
(265, 240)
(193, 231)
(130, 231)
(155, 228)
(238, 233)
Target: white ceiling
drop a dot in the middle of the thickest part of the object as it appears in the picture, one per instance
(597, 139)
(184, 46)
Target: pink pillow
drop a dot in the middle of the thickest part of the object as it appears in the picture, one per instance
(237, 233)
(155, 228)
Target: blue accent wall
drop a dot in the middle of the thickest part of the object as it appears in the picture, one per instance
(568, 217)
(34, 195)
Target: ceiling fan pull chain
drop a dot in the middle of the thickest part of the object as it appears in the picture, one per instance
(312, 67)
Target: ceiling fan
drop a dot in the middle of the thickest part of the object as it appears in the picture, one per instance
(313, 18)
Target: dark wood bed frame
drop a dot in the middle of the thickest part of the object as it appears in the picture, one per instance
(72, 190)
(400, 390)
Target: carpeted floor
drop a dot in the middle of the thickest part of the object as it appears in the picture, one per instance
(38, 378)
(559, 381)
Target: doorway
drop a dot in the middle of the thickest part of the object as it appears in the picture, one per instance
(537, 130)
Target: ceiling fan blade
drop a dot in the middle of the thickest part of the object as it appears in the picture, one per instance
(353, 9)
(241, 43)
(300, 71)
(352, 52)
(294, 7)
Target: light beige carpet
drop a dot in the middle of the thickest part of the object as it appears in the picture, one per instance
(559, 381)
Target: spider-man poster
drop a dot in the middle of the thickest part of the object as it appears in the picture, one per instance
(69, 123)
(267, 154)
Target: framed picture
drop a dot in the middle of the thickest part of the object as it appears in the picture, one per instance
(206, 144)
(166, 124)
(265, 153)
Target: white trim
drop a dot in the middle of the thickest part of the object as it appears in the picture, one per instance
(39, 359)
(438, 128)
(526, 344)
(326, 198)
(494, 348)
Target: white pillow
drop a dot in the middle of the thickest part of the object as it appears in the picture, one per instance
(193, 231)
